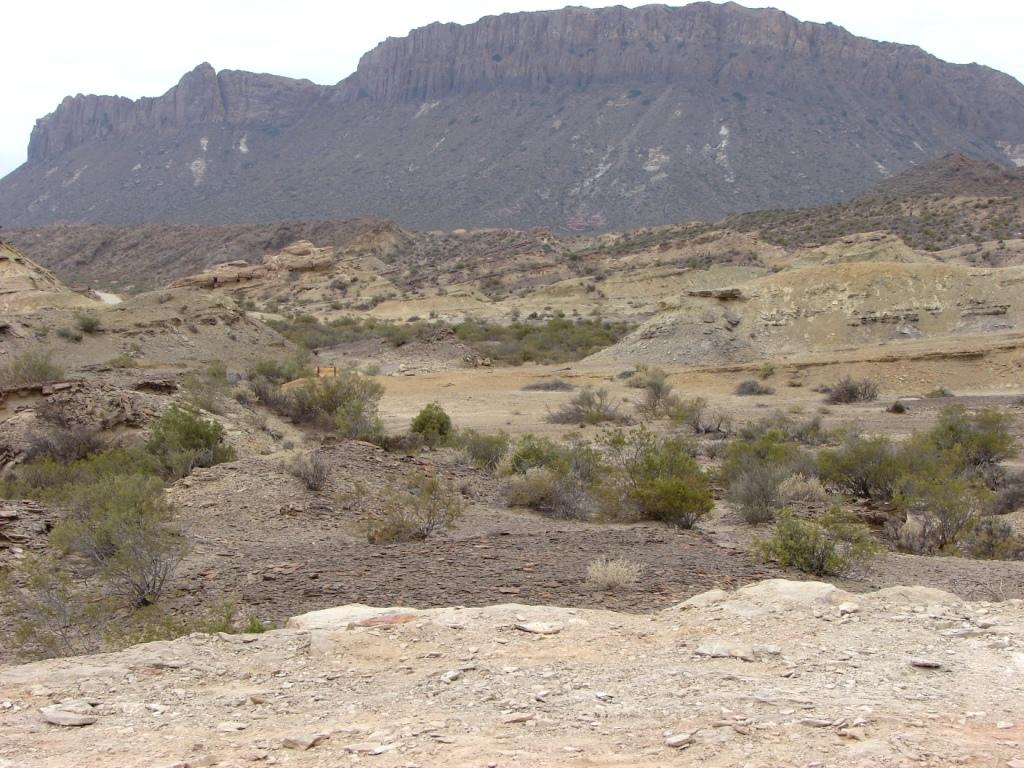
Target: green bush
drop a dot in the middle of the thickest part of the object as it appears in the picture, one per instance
(807, 431)
(433, 423)
(30, 368)
(123, 527)
(754, 470)
(55, 482)
(977, 440)
(532, 451)
(280, 371)
(941, 507)
(486, 451)
(559, 340)
(661, 477)
(181, 440)
(993, 539)
(828, 546)
(428, 505)
(87, 322)
(864, 467)
(346, 402)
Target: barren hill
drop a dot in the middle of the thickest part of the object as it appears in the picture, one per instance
(576, 119)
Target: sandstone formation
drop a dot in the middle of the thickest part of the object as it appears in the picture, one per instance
(577, 119)
(24, 285)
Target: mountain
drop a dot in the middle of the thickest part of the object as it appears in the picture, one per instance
(576, 119)
(971, 206)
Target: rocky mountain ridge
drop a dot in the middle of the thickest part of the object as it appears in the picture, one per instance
(578, 119)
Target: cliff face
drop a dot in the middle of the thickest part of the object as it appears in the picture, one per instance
(577, 119)
(203, 96)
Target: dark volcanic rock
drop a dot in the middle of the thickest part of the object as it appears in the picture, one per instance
(577, 119)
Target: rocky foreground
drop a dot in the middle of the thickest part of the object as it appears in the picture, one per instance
(775, 674)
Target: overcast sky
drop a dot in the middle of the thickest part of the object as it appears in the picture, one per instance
(52, 49)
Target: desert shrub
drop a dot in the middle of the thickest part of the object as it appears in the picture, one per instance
(828, 546)
(311, 468)
(70, 334)
(643, 375)
(607, 573)
(52, 613)
(658, 397)
(754, 470)
(850, 390)
(940, 508)
(565, 487)
(993, 539)
(347, 402)
(53, 482)
(427, 505)
(1010, 497)
(408, 443)
(864, 467)
(897, 407)
(753, 387)
(123, 527)
(535, 488)
(30, 368)
(977, 440)
(559, 340)
(550, 385)
(65, 443)
(755, 494)
(696, 414)
(87, 322)
(433, 423)
(589, 406)
(532, 451)
(153, 623)
(808, 431)
(661, 477)
(798, 489)
(310, 333)
(123, 361)
(203, 389)
(484, 450)
(182, 441)
(279, 371)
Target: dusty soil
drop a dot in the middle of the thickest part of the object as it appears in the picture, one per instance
(774, 674)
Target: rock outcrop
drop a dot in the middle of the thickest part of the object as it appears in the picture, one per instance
(778, 673)
(24, 285)
(202, 97)
(579, 119)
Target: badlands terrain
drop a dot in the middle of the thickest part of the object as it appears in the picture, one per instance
(301, 624)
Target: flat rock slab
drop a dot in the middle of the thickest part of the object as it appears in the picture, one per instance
(71, 715)
(726, 649)
(539, 628)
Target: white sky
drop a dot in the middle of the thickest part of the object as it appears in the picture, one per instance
(51, 49)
